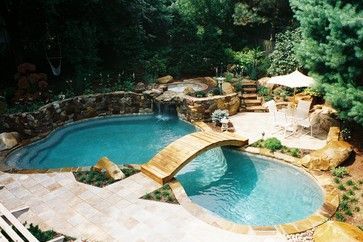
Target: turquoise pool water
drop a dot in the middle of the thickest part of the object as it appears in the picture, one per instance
(238, 187)
(124, 140)
(250, 190)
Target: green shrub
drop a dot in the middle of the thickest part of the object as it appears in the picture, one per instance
(216, 91)
(350, 193)
(336, 180)
(295, 152)
(200, 94)
(263, 91)
(229, 76)
(341, 187)
(339, 217)
(340, 171)
(348, 212)
(219, 114)
(272, 144)
(238, 87)
(350, 183)
(42, 236)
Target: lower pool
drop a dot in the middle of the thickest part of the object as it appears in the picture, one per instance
(248, 189)
(123, 139)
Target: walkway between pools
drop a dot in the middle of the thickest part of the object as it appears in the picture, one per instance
(163, 166)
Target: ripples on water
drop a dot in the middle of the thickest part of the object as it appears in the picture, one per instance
(250, 190)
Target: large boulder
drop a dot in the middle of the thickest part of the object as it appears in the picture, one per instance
(227, 88)
(9, 140)
(112, 170)
(331, 155)
(140, 87)
(233, 105)
(165, 79)
(334, 231)
(263, 82)
(323, 117)
(189, 91)
(328, 157)
(209, 81)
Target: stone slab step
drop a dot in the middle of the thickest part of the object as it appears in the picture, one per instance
(252, 101)
(249, 95)
(249, 83)
(250, 89)
(256, 109)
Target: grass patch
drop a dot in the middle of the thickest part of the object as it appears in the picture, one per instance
(100, 179)
(163, 194)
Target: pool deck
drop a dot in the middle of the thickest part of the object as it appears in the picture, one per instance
(252, 125)
(115, 213)
(112, 213)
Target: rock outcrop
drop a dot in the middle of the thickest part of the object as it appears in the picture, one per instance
(165, 79)
(323, 117)
(330, 156)
(227, 88)
(9, 140)
(112, 170)
(334, 231)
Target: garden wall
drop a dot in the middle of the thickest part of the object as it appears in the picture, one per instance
(56, 114)
(201, 109)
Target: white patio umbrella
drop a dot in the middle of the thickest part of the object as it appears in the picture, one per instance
(293, 80)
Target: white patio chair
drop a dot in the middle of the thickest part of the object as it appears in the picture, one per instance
(11, 226)
(301, 116)
(280, 119)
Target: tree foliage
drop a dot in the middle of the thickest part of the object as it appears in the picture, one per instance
(331, 48)
(283, 58)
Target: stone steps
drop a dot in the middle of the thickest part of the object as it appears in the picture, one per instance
(249, 83)
(248, 95)
(252, 101)
(250, 89)
(255, 109)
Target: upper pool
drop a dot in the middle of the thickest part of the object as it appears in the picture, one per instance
(123, 139)
(248, 189)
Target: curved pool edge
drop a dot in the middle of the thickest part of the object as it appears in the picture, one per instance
(325, 212)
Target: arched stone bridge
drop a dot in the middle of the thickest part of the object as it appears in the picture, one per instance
(163, 166)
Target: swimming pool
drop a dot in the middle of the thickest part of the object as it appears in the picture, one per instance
(238, 187)
(123, 139)
(250, 190)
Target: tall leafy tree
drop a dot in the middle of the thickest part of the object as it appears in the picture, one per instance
(331, 48)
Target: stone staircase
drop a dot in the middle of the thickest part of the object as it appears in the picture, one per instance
(250, 100)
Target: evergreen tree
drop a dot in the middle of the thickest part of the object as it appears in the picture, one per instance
(331, 48)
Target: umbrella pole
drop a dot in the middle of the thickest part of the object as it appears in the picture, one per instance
(294, 94)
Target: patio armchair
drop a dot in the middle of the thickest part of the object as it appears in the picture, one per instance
(11, 226)
(280, 119)
(301, 115)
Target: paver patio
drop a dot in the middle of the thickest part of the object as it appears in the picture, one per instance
(113, 213)
(252, 125)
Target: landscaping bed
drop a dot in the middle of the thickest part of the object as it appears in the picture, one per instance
(273, 144)
(350, 186)
(39, 234)
(162, 194)
(100, 179)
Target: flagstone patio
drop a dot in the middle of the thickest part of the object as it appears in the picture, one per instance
(112, 213)
(252, 125)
